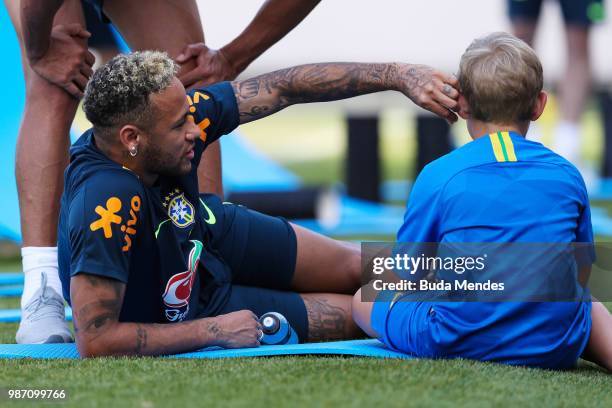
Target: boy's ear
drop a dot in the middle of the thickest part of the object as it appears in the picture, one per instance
(539, 106)
(464, 108)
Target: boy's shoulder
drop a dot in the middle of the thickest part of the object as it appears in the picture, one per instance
(497, 151)
(472, 154)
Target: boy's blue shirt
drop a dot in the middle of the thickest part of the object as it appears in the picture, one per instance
(500, 188)
(470, 196)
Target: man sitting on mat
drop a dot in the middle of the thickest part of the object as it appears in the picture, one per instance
(140, 247)
(499, 188)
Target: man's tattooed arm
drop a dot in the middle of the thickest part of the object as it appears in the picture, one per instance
(97, 303)
(266, 94)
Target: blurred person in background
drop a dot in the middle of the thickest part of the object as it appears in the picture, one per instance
(575, 84)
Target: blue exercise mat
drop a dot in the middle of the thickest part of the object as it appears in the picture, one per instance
(359, 217)
(14, 315)
(11, 278)
(11, 290)
(363, 348)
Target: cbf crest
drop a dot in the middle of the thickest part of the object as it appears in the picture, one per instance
(180, 210)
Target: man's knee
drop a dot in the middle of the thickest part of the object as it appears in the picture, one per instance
(356, 307)
(352, 263)
(362, 311)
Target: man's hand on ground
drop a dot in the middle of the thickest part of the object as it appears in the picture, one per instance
(212, 66)
(430, 89)
(236, 329)
(67, 62)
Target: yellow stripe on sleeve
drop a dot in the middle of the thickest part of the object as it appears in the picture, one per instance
(497, 149)
(509, 146)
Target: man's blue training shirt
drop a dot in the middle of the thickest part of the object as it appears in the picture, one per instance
(156, 237)
(497, 188)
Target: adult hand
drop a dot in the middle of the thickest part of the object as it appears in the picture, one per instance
(237, 329)
(431, 89)
(211, 66)
(67, 62)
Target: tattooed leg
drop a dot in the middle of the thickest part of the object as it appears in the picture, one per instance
(329, 317)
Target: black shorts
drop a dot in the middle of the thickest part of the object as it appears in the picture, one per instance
(98, 6)
(575, 12)
(101, 34)
(261, 252)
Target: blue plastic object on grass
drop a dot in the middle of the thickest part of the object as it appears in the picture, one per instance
(11, 111)
(277, 330)
(14, 315)
(11, 278)
(246, 169)
(358, 217)
(11, 290)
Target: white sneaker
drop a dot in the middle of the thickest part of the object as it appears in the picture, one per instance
(43, 319)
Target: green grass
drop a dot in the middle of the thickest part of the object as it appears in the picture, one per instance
(10, 265)
(306, 381)
(298, 381)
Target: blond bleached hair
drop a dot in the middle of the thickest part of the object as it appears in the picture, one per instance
(501, 78)
(118, 92)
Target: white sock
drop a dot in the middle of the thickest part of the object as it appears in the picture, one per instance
(534, 134)
(567, 141)
(36, 260)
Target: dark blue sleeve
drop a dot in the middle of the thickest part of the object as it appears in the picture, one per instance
(214, 110)
(103, 222)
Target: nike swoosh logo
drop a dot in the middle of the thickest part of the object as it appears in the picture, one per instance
(211, 217)
(159, 227)
(395, 299)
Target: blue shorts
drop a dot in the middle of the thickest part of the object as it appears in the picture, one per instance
(549, 335)
(575, 12)
(261, 252)
(402, 324)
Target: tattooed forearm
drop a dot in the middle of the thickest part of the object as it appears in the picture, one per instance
(95, 315)
(269, 93)
(325, 320)
(97, 304)
(92, 316)
(213, 329)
